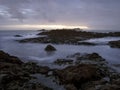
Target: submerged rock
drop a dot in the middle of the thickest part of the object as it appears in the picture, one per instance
(50, 48)
(17, 35)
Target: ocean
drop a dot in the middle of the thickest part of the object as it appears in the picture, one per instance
(35, 51)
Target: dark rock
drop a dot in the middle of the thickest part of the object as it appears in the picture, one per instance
(77, 75)
(16, 75)
(36, 86)
(91, 57)
(86, 43)
(70, 87)
(50, 48)
(17, 35)
(114, 44)
(63, 61)
(32, 67)
(68, 36)
(5, 57)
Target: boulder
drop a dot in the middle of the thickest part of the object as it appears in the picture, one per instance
(77, 75)
(114, 44)
(50, 48)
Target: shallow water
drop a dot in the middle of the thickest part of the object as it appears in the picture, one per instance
(35, 51)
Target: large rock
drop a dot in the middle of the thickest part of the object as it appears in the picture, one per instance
(5, 57)
(77, 75)
(17, 35)
(50, 48)
(114, 44)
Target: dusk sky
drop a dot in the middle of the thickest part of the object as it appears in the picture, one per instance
(33, 14)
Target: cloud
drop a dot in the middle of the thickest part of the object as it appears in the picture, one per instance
(93, 13)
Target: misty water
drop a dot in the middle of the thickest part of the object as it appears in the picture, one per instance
(35, 51)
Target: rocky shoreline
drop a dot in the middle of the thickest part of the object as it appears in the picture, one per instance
(16, 75)
(83, 72)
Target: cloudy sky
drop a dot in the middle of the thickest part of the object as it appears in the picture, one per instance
(28, 14)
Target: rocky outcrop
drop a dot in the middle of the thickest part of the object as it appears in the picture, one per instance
(50, 48)
(114, 44)
(68, 36)
(16, 75)
(87, 72)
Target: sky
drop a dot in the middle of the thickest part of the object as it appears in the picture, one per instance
(35, 14)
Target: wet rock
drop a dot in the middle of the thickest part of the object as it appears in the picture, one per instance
(63, 61)
(16, 75)
(32, 67)
(86, 43)
(36, 86)
(91, 57)
(110, 87)
(70, 87)
(114, 44)
(17, 35)
(5, 57)
(77, 75)
(50, 48)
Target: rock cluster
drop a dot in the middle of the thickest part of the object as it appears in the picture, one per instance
(16, 75)
(84, 72)
(87, 72)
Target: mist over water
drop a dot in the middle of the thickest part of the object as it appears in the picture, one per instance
(35, 51)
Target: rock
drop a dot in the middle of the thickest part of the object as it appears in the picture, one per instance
(50, 48)
(110, 87)
(17, 35)
(77, 75)
(35, 86)
(70, 87)
(114, 44)
(63, 61)
(5, 57)
(91, 57)
(86, 43)
(32, 67)
(68, 36)
(16, 75)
